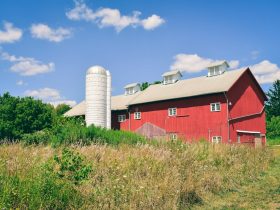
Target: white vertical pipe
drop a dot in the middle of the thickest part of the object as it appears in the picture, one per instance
(109, 81)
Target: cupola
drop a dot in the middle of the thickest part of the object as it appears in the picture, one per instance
(171, 77)
(132, 88)
(217, 68)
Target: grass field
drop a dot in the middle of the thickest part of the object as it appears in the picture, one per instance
(167, 176)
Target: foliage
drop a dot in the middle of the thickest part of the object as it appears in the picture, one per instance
(273, 103)
(72, 131)
(62, 108)
(145, 85)
(165, 176)
(72, 167)
(20, 116)
(273, 127)
(38, 137)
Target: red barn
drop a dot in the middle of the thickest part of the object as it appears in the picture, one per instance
(224, 106)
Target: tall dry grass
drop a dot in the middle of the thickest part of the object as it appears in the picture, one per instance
(167, 176)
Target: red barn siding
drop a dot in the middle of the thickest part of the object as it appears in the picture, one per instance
(246, 99)
(194, 119)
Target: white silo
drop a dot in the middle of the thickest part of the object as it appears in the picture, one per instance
(96, 96)
(109, 81)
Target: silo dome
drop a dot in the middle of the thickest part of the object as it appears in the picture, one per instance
(97, 96)
(96, 70)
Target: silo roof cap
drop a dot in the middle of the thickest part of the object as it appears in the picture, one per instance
(96, 70)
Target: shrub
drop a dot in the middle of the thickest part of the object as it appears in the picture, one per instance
(273, 127)
(19, 116)
(72, 166)
(39, 137)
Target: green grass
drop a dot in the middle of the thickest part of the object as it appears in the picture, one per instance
(273, 141)
(262, 193)
(142, 176)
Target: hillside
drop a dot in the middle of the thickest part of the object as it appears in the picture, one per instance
(167, 176)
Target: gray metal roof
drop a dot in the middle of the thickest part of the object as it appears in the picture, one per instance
(189, 87)
(183, 88)
(117, 103)
(78, 110)
(168, 73)
(218, 63)
(131, 85)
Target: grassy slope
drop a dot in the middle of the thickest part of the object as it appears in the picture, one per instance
(263, 193)
(197, 176)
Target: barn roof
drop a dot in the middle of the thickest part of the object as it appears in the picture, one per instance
(78, 110)
(183, 88)
(190, 87)
(117, 103)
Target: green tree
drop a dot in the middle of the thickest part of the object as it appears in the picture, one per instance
(62, 108)
(144, 85)
(273, 127)
(19, 116)
(273, 103)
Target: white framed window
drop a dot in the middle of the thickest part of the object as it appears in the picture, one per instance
(172, 111)
(129, 91)
(173, 136)
(121, 118)
(137, 115)
(215, 107)
(216, 139)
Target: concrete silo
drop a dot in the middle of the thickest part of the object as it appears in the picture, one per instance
(97, 97)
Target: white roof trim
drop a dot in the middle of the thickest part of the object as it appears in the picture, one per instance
(218, 64)
(169, 73)
(241, 131)
(131, 85)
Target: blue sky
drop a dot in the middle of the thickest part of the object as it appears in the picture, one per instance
(46, 46)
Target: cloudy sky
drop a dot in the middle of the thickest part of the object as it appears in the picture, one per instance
(47, 45)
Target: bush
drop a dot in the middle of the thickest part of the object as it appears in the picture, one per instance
(273, 127)
(39, 137)
(20, 116)
(73, 131)
(71, 166)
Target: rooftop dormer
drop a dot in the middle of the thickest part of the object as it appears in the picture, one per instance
(171, 77)
(217, 68)
(132, 88)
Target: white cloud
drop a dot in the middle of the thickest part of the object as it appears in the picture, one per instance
(265, 72)
(106, 17)
(152, 22)
(233, 64)
(10, 34)
(26, 66)
(21, 82)
(193, 63)
(49, 95)
(42, 31)
(68, 102)
(255, 54)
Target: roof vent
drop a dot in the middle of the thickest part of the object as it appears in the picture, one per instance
(217, 68)
(171, 77)
(132, 88)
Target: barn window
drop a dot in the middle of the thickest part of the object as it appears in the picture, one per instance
(172, 111)
(173, 136)
(137, 115)
(215, 107)
(121, 118)
(216, 139)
